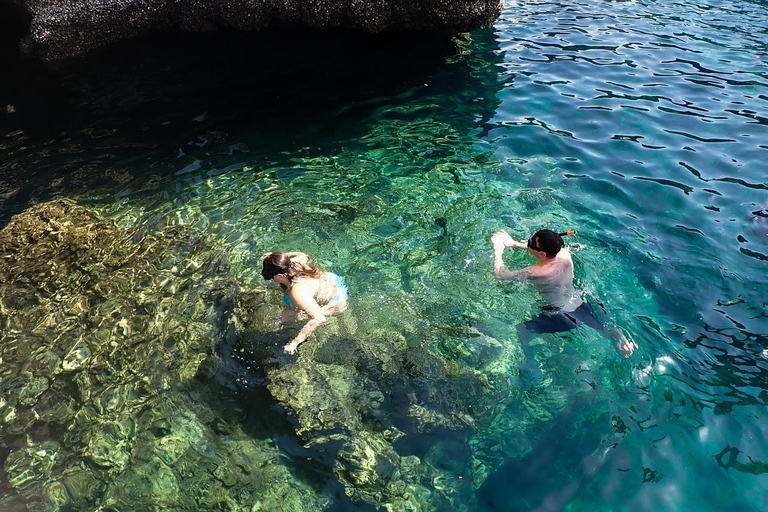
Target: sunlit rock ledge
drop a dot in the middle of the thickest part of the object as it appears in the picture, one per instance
(64, 28)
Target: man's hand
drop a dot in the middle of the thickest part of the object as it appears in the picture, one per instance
(625, 345)
(501, 239)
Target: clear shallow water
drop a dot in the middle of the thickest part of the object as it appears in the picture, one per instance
(641, 125)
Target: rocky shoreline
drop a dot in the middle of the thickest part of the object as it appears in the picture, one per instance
(65, 28)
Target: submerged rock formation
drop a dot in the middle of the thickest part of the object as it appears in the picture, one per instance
(113, 343)
(103, 332)
(63, 28)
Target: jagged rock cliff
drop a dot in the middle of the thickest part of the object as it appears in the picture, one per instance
(64, 28)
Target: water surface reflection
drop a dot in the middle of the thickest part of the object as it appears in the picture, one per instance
(640, 124)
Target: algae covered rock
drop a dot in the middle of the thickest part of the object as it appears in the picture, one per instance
(114, 344)
(407, 418)
(104, 335)
(352, 397)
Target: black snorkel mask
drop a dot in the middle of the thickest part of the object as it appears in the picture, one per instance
(532, 243)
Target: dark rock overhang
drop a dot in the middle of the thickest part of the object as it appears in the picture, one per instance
(59, 29)
(15, 23)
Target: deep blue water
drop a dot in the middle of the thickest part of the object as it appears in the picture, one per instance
(642, 125)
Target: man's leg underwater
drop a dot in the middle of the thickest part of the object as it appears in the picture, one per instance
(527, 331)
(525, 335)
(586, 315)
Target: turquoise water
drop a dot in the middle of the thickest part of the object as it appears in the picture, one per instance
(641, 125)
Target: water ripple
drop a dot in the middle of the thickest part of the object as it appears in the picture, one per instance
(640, 124)
(660, 114)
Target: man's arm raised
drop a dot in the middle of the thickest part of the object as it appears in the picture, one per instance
(502, 238)
(500, 241)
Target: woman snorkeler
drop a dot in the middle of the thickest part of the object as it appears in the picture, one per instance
(308, 290)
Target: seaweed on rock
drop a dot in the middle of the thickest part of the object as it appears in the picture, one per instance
(337, 392)
(370, 398)
(104, 332)
(112, 342)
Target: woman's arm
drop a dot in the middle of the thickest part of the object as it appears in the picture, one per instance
(303, 295)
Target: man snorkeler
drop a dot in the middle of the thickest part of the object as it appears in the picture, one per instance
(552, 275)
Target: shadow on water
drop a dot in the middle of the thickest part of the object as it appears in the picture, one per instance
(174, 70)
(539, 477)
(99, 121)
(91, 127)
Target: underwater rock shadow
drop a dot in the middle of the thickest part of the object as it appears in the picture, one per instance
(541, 476)
(78, 127)
(332, 393)
(101, 335)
